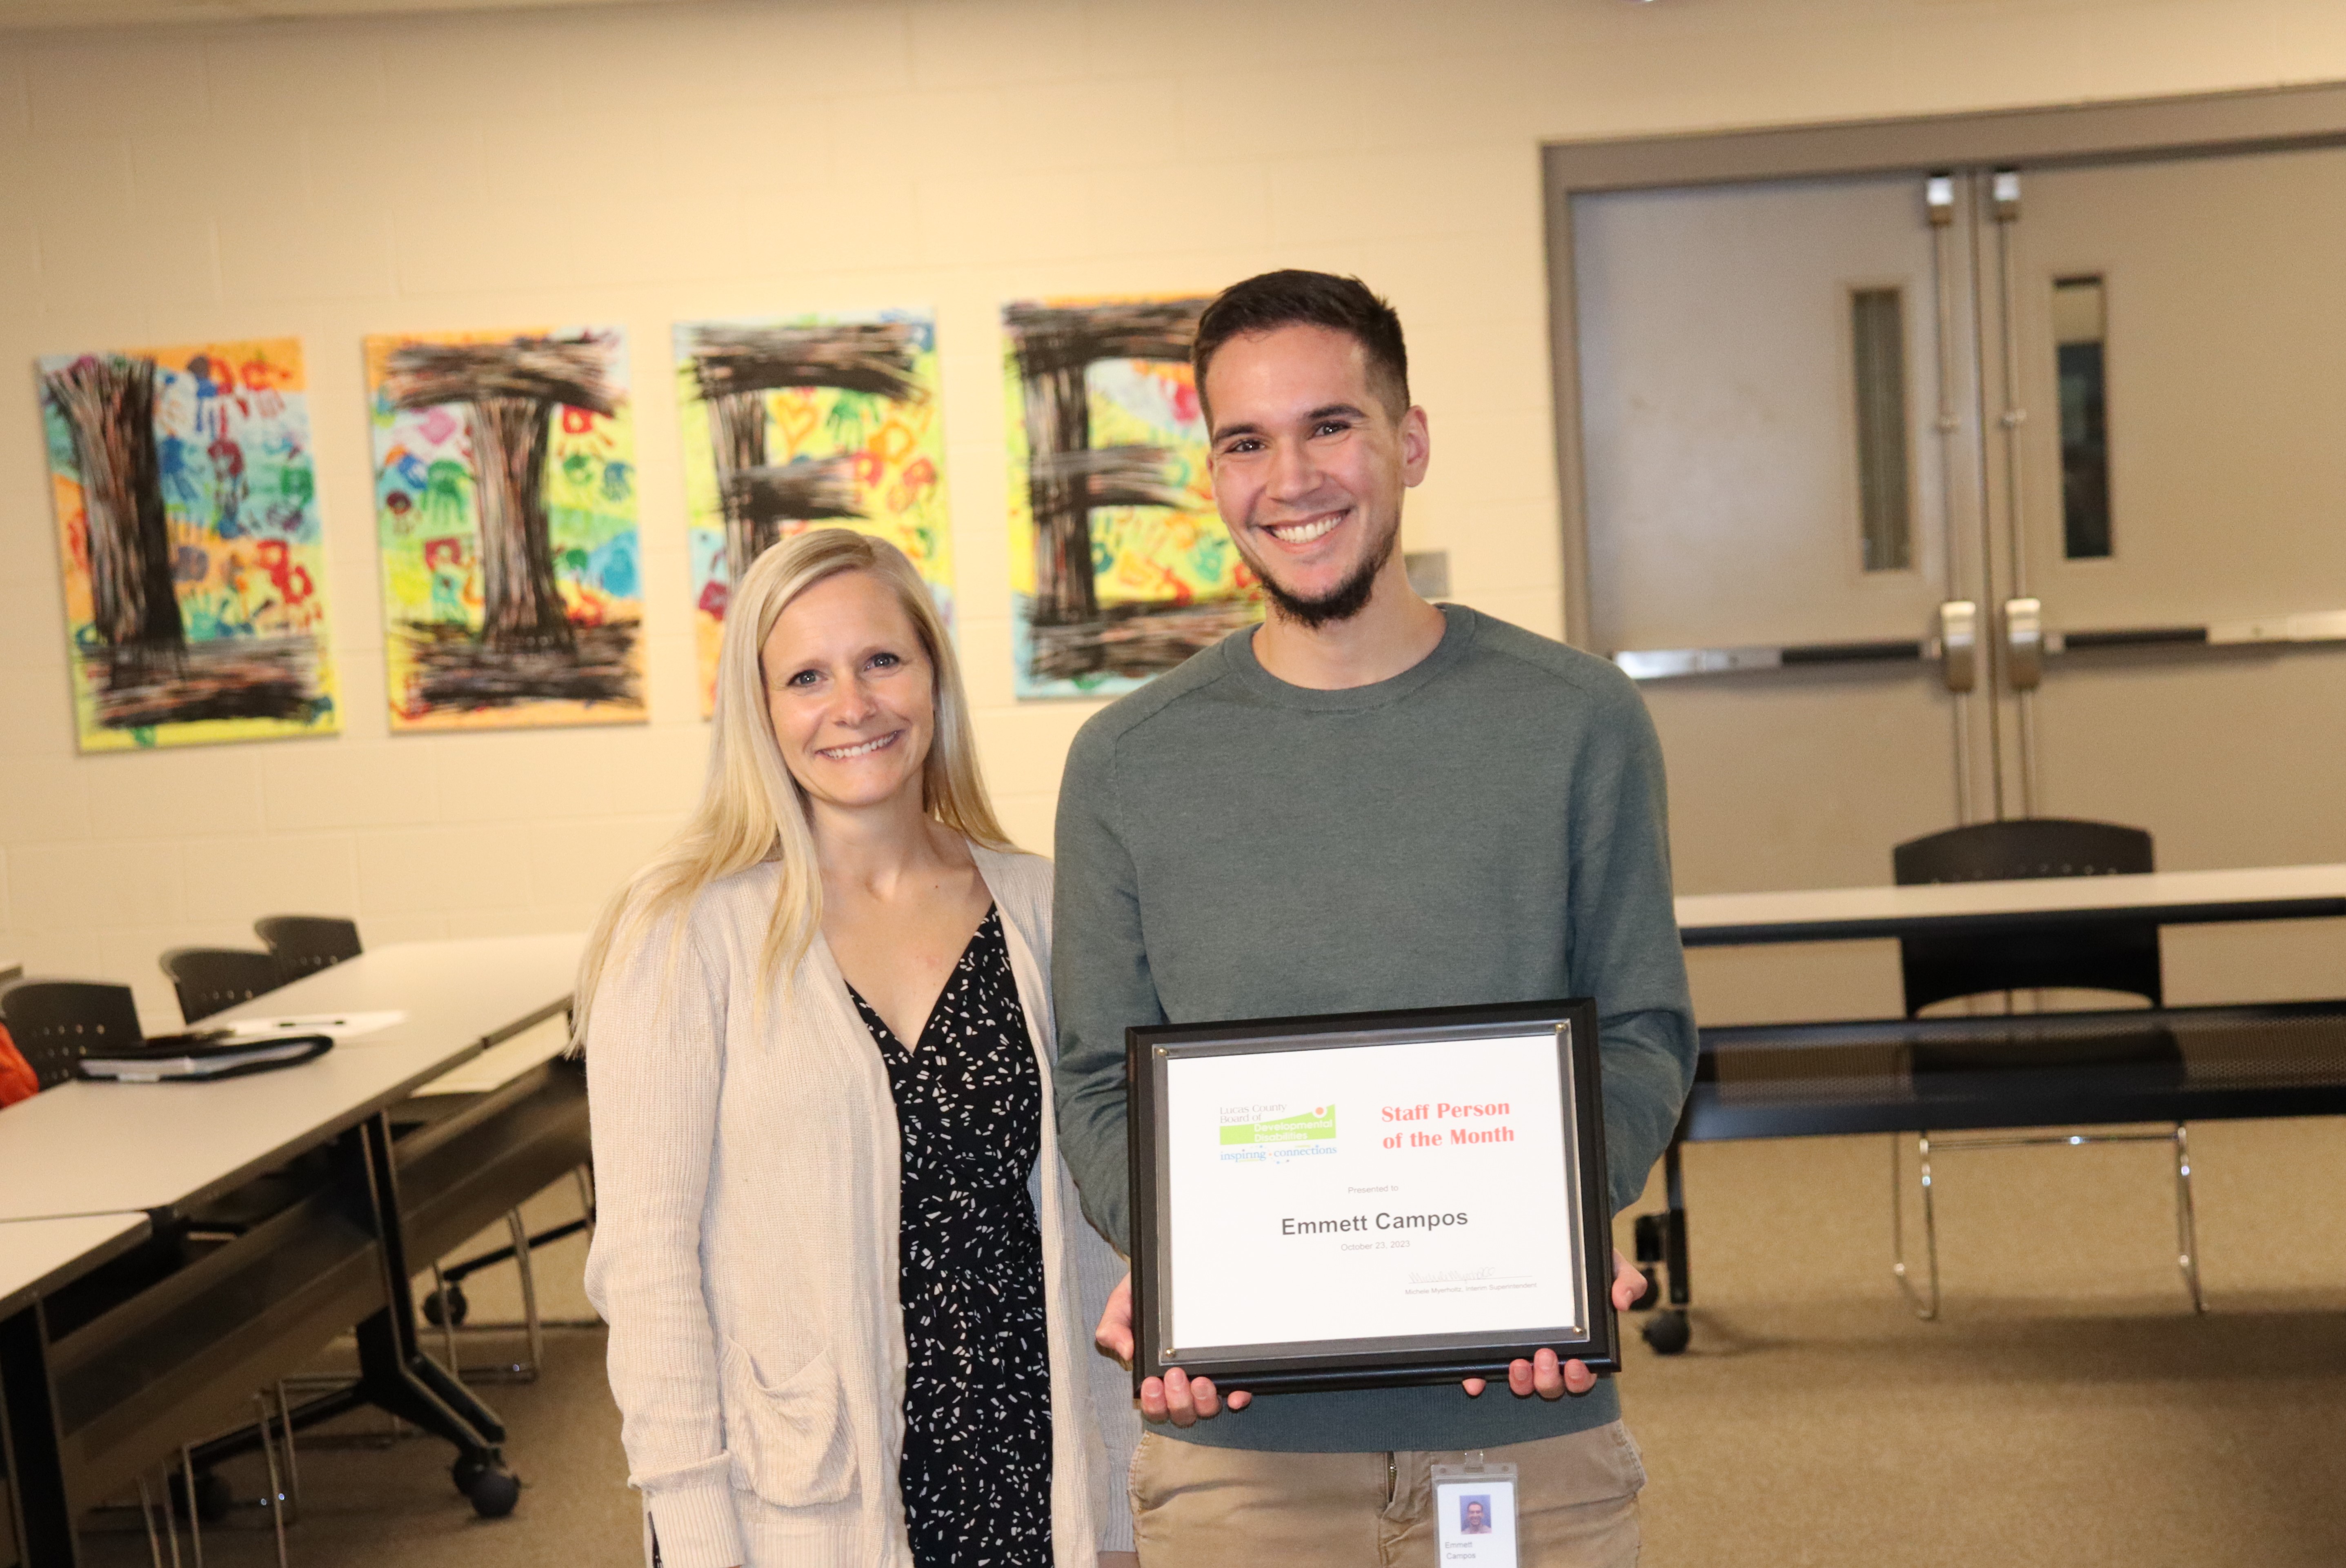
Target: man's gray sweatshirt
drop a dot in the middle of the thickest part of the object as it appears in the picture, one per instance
(1487, 826)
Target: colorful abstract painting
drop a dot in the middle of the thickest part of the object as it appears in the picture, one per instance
(809, 422)
(505, 493)
(186, 509)
(1119, 565)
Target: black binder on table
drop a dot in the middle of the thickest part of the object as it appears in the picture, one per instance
(201, 1056)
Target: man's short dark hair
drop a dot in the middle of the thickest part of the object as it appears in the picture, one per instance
(1293, 297)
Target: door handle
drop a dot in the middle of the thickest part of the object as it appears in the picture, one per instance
(2024, 643)
(1957, 644)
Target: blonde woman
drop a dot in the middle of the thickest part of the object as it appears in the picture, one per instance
(849, 1288)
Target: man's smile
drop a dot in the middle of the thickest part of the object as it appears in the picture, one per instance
(1305, 530)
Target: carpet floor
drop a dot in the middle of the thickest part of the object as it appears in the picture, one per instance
(2066, 1408)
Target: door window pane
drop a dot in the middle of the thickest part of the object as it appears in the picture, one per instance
(2079, 329)
(1878, 331)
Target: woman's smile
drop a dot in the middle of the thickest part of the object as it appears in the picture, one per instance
(856, 749)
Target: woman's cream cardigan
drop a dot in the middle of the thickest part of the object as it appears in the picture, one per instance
(745, 1250)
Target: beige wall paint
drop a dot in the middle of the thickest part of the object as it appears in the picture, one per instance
(331, 178)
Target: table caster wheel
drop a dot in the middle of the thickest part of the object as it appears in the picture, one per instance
(1670, 1332)
(1647, 1302)
(453, 1310)
(492, 1488)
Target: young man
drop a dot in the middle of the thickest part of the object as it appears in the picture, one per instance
(1368, 803)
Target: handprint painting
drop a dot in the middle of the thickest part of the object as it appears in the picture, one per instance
(1119, 565)
(186, 515)
(505, 490)
(809, 422)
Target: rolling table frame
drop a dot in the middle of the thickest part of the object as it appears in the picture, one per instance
(128, 1377)
(28, 1415)
(1734, 920)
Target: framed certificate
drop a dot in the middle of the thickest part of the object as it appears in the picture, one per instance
(1370, 1199)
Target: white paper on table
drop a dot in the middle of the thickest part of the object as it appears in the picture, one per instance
(1302, 1181)
(334, 1025)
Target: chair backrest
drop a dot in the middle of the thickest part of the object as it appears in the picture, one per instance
(57, 1022)
(213, 979)
(2024, 848)
(2121, 956)
(304, 944)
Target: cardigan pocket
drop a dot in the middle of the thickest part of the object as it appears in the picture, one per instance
(789, 1441)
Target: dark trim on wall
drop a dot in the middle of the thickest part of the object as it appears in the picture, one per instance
(2127, 131)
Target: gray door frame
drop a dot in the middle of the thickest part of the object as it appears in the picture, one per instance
(2266, 119)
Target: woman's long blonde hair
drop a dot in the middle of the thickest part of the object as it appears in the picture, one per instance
(752, 809)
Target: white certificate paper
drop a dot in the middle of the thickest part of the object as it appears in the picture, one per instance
(1369, 1192)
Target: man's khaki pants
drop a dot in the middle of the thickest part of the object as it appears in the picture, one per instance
(1197, 1507)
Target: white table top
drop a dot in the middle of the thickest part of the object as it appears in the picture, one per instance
(483, 988)
(501, 1064)
(85, 1148)
(39, 1255)
(2171, 898)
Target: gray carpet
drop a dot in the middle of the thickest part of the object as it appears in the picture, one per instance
(2067, 1409)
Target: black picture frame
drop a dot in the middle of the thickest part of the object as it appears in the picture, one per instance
(1357, 1363)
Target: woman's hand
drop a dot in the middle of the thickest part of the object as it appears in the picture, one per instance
(1543, 1375)
(1176, 1396)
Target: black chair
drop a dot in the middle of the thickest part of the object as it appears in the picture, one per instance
(57, 1022)
(214, 978)
(2118, 955)
(304, 944)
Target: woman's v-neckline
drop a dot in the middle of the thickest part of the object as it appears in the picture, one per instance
(929, 1019)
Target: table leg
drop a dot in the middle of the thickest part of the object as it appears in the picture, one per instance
(1662, 1249)
(31, 1443)
(394, 1371)
(1674, 1241)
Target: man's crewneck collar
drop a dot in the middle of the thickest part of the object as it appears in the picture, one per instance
(1458, 633)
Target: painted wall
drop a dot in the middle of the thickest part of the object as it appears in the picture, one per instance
(334, 178)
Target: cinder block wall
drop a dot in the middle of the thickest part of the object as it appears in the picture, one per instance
(646, 165)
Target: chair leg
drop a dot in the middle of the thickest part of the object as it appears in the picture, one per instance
(447, 1323)
(535, 1328)
(2187, 1233)
(276, 1482)
(584, 1176)
(147, 1512)
(1930, 1223)
(195, 1512)
(1926, 1306)
(1898, 1221)
(293, 1452)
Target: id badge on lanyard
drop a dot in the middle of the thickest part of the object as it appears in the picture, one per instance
(1475, 1513)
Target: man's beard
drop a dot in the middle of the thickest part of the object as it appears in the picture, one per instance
(1340, 602)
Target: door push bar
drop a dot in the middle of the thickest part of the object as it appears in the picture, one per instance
(2320, 626)
(1953, 646)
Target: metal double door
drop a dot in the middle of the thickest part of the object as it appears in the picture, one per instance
(1951, 495)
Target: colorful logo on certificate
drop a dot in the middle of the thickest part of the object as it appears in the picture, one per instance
(1248, 1135)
